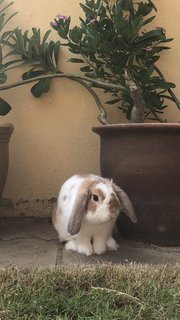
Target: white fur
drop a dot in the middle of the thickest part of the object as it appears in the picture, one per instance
(95, 235)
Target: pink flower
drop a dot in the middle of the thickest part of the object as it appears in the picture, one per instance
(93, 21)
(61, 17)
(54, 24)
(148, 49)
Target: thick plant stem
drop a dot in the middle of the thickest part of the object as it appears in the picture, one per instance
(137, 113)
(138, 110)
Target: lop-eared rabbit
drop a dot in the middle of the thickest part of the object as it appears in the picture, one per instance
(87, 209)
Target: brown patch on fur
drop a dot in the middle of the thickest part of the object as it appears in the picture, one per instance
(97, 178)
(92, 205)
(114, 205)
(64, 198)
(84, 176)
(100, 194)
(87, 185)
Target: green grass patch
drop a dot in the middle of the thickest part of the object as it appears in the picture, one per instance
(104, 292)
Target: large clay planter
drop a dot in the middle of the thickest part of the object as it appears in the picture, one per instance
(5, 134)
(144, 159)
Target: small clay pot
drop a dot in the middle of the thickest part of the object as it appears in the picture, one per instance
(5, 135)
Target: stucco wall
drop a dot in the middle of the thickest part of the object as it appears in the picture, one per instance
(52, 138)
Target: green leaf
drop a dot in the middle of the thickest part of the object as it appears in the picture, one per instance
(87, 10)
(152, 100)
(62, 32)
(4, 107)
(113, 101)
(9, 63)
(86, 69)
(148, 20)
(75, 60)
(45, 55)
(9, 18)
(156, 83)
(118, 67)
(1, 21)
(146, 74)
(67, 24)
(0, 54)
(128, 5)
(137, 25)
(166, 40)
(32, 74)
(144, 8)
(155, 58)
(41, 87)
(3, 77)
(56, 52)
(150, 36)
(75, 34)
(46, 36)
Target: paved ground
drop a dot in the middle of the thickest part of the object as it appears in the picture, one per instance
(32, 242)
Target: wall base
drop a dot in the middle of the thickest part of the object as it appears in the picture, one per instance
(27, 208)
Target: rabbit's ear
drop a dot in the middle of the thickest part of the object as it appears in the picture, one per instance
(126, 203)
(79, 209)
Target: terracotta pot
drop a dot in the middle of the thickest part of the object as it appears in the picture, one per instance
(5, 134)
(144, 159)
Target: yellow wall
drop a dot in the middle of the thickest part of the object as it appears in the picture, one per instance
(52, 138)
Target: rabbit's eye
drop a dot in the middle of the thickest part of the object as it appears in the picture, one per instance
(95, 197)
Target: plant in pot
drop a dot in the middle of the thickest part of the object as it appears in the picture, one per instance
(117, 47)
(118, 53)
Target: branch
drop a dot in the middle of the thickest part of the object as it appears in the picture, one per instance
(103, 115)
(101, 84)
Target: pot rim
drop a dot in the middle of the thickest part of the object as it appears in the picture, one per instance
(139, 126)
(6, 128)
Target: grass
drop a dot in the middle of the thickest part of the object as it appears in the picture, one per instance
(104, 292)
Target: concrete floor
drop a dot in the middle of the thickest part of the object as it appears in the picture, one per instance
(33, 242)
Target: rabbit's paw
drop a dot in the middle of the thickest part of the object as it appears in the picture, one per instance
(112, 245)
(71, 245)
(99, 246)
(86, 249)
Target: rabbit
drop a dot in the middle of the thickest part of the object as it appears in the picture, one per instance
(87, 209)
